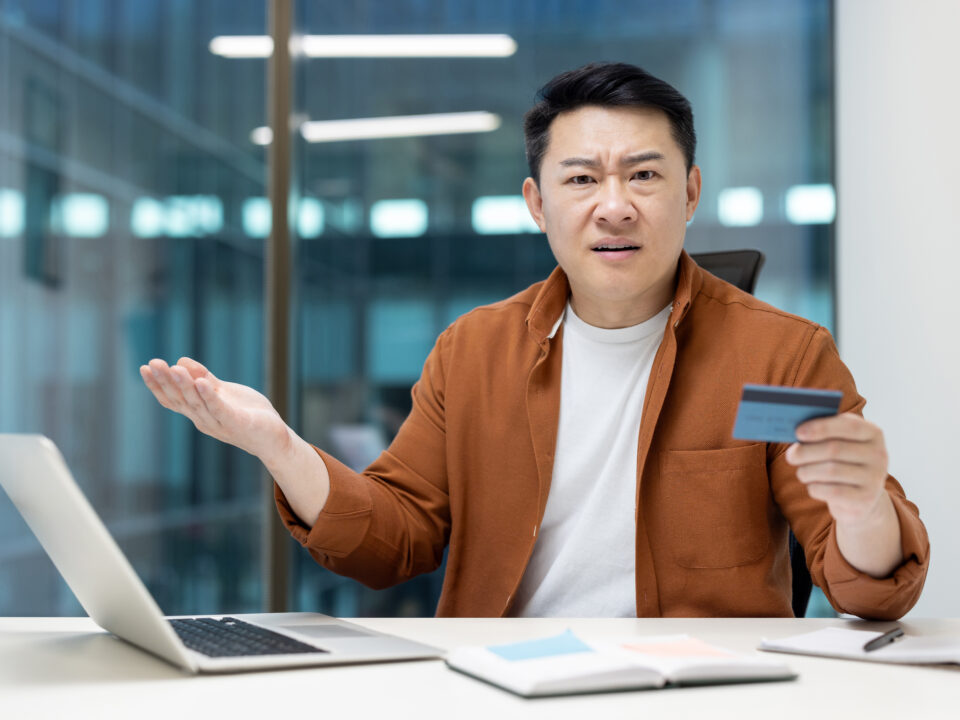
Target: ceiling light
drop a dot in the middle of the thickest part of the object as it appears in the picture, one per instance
(317, 131)
(740, 206)
(392, 46)
(242, 46)
(85, 215)
(257, 217)
(811, 204)
(368, 46)
(309, 218)
(407, 217)
(261, 136)
(502, 215)
(12, 212)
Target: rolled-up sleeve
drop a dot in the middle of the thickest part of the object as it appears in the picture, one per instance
(888, 598)
(345, 517)
(392, 521)
(848, 589)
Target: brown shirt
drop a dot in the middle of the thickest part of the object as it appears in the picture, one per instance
(471, 466)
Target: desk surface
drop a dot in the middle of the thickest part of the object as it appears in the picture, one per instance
(68, 667)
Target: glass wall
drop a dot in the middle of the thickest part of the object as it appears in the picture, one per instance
(125, 169)
(417, 230)
(133, 217)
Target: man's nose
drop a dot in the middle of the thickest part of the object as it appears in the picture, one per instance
(614, 204)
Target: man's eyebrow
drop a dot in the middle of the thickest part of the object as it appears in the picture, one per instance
(642, 157)
(580, 162)
(628, 160)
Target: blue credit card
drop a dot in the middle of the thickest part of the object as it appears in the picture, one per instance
(771, 413)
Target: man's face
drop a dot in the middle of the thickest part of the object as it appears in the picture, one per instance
(614, 199)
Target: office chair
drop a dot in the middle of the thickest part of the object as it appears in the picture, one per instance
(737, 267)
(741, 268)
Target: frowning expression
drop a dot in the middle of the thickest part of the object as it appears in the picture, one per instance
(614, 199)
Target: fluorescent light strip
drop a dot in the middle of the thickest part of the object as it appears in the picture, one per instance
(384, 46)
(368, 46)
(318, 131)
(242, 46)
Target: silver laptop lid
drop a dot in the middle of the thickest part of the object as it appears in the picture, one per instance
(38, 481)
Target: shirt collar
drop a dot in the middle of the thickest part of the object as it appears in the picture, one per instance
(556, 325)
(546, 313)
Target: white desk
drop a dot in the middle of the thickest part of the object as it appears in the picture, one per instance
(69, 668)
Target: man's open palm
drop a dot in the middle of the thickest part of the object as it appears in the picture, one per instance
(228, 411)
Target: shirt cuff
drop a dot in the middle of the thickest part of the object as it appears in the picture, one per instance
(886, 598)
(345, 518)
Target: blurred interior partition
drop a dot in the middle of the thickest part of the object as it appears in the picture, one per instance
(126, 178)
(135, 217)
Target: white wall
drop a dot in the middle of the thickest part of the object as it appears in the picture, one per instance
(898, 251)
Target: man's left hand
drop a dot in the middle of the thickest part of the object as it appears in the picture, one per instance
(842, 460)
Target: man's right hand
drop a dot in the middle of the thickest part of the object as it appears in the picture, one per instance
(227, 411)
(241, 416)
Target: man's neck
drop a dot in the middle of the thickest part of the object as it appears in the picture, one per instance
(609, 314)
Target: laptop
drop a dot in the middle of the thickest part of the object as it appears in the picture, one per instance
(35, 476)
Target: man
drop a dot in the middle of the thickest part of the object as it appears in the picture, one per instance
(572, 444)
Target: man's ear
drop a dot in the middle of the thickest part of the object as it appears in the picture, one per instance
(531, 193)
(694, 181)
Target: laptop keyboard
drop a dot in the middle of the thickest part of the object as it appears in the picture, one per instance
(229, 637)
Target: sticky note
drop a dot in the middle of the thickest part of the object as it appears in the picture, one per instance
(564, 644)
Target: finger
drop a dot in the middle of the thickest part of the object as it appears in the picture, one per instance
(147, 374)
(850, 451)
(843, 501)
(198, 411)
(837, 473)
(847, 426)
(195, 369)
(836, 493)
(164, 379)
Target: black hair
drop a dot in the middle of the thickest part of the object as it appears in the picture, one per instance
(605, 85)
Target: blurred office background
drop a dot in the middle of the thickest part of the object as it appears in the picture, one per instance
(134, 220)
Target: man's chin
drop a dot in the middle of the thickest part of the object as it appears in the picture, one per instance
(618, 290)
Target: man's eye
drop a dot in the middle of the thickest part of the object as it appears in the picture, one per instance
(644, 175)
(581, 179)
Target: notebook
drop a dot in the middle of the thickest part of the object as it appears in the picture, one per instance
(567, 664)
(35, 476)
(848, 644)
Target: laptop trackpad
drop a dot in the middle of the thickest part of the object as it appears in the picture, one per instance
(326, 631)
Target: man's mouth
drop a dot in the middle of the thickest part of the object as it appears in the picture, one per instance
(615, 248)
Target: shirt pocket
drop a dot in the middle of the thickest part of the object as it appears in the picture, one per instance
(716, 505)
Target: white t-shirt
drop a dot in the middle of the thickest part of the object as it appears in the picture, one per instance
(583, 562)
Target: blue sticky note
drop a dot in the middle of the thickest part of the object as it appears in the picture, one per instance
(772, 414)
(564, 644)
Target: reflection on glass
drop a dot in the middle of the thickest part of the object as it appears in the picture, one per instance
(133, 214)
(124, 164)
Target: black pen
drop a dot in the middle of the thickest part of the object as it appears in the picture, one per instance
(887, 637)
